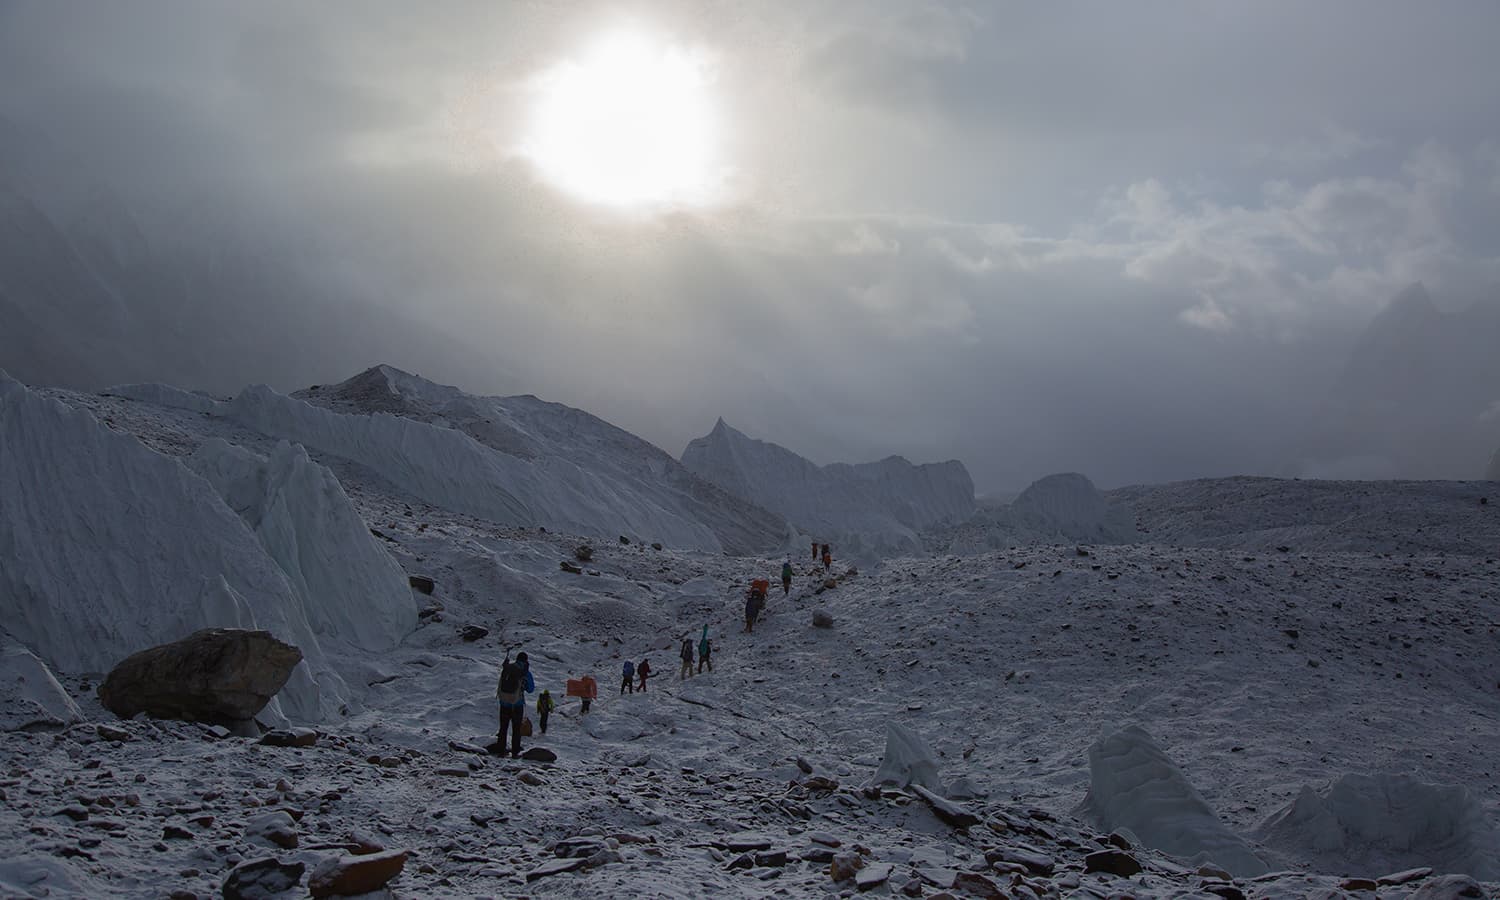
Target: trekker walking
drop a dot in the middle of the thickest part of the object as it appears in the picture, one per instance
(827, 558)
(627, 677)
(815, 551)
(786, 578)
(643, 670)
(754, 601)
(687, 658)
(544, 707)
(515, 682)
(705, 648)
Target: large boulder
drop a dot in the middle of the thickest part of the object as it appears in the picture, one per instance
(217, 675)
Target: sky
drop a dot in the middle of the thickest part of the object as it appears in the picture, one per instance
(1133, 240)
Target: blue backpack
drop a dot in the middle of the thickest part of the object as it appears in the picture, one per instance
(629, 669)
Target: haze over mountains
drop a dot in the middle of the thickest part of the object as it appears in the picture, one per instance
(94, 292)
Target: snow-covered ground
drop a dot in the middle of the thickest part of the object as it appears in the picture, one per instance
(1333, 706)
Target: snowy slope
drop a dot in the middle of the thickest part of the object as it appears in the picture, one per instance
(870, 508)
(624, 478)
(1304, 515)
(1262, 678)
(110, 547)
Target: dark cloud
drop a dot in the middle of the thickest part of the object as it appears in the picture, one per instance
(1137, 241)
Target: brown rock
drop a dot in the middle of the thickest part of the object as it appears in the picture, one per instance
(977, 885)
(291, 737)
(844, 865)
(1358, 884)
(349, 875)
(217, 675)
(421, 583)
(1115, 862)
(261, 878)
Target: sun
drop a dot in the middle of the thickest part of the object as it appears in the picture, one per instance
(630, 122)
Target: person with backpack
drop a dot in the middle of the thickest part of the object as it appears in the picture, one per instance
(544, 707)
(815, 551)
(786, 578)
(515, 683)
(687, 658)
(627, 677)
(643, 670)
(753, 603)
(827, 558)
(705, 649)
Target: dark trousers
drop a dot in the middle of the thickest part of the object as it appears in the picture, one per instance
(510, 717)
(705, 660)
(643, 681)
(627, 685)
(542, 716)
(786, 587)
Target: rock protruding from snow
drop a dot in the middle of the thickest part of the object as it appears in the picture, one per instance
(262, 879)
(221, 676)
(1381, 823)
(349, 876)
(1135, 786)
(30, 696)
(908, 760)
(870, 508)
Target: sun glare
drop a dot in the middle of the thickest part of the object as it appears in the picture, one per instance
(630, 122)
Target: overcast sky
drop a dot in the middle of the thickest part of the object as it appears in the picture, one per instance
(1129, 239)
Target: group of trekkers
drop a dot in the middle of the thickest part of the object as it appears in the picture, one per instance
(516, 680)
(755, 598)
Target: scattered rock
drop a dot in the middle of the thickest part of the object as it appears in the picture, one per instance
(843, 866)
(1121, 841)
(747, 842)
(1034, 861)
(453, 771)
(421, 584)
(176, 833)
(817, 855)
(805, 766)
(583, 553)
(290, 737)
(532, 779)
(743, 861)
(822, 619)
(974, 884)
(555, 867)
(111, 733)
(1115, 862)
(601, 858)
(1358, 884)
(775, 858)
(655, 545)
(276, 827)
(872, 876)
(1449, 887)
(570, 567)
(539, 754)
(261, 879)
(577, 847)
(353, 875)
(947, 810)
(472, 633)
(217, 675)
(1403, 877)
(624, 540)
(461, 747)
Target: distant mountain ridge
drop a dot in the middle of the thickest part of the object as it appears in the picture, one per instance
(873, 508)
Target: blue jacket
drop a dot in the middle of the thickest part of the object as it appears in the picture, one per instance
(629, 669)
(527, 686)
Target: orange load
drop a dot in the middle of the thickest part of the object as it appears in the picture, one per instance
(760, 586)
(583, 687)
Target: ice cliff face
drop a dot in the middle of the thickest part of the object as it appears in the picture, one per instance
(110, 547)
(867, 508)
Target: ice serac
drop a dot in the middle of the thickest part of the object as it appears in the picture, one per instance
(873, 508)
(1493, 472)
(30, 697)
(1134, 786)
(519, 460)
(108, 547)
(1385, 823)
(348, 585)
